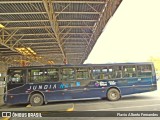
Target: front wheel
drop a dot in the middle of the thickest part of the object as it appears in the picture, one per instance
(113, 94)
(36, 100)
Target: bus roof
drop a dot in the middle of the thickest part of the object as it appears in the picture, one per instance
(86, 65)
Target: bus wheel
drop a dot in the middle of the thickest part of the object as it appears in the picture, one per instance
(113, 94)
(36, 100)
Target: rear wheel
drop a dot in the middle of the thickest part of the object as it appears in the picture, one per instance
(36, 100)
(113, 94)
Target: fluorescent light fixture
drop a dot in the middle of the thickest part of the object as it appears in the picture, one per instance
(51, 62)
(1, 26)
(21, 61)
(26, 51)
(30, 50)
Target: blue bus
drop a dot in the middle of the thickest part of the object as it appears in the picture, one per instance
(39, 85)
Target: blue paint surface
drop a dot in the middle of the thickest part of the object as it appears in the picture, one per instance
(78, 84)
(75, 90)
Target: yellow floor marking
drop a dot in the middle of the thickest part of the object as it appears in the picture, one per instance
(5, 118)
(71, 109)
(29, 105)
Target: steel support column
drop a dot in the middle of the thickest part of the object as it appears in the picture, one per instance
(54, 24)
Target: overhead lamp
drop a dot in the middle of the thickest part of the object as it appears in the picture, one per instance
(21, 61)
(50, 62)
(26, 51)
(1, 26)
(30, 50)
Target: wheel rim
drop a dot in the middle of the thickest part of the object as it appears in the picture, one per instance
(113, 95)
(37, 99)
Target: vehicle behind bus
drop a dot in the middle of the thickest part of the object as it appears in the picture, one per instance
(42, 84)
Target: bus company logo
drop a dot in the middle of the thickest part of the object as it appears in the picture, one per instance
(96, 83)
(101, 83)
(112, 82)
(42, 87)
(65, 85)
(78, 84)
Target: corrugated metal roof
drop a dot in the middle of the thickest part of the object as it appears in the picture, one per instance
(57, 30)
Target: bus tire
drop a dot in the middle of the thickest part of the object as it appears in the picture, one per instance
(36, 99)
(113, 94)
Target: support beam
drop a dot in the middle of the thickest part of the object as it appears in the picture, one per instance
(47, 52)
(32, 39)
(11, 47)
(60, 1)
(28, 21)
(17, 41)
(44, 36)
(41, 34)
(30, 13)
(43, 27)
(5, 61)
(11, 35)
(2, 43)
(44, 43)
(71, 38)
(36, 47)
(54, 24)
(3, 34)
(21, 13)
(63, 37)
(38, 39)
(17, 60)
(70, 53)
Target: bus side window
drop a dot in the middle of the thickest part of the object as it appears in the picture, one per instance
(118, 71)
(83, 74)
(51, 75)
(105, 74)
(129, 71)
(144, 70)
(36, 75)
(96, 73)
(110, 73)
(17, 76)
(68, 74)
